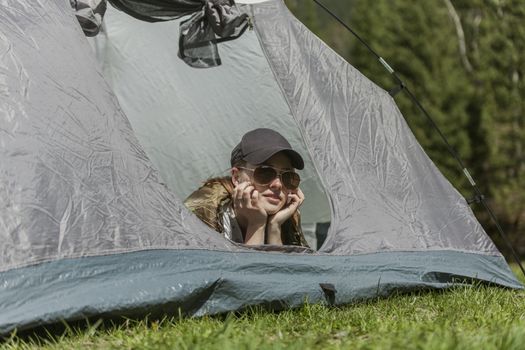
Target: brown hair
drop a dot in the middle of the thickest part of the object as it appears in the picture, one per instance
(225, 181)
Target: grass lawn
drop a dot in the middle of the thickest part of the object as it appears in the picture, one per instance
(467, 317)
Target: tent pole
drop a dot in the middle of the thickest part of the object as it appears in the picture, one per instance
(479, 196)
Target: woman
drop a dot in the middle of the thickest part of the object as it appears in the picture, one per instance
(259, 203)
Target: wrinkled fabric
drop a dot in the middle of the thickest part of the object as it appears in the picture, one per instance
(386, 193)
(211, 21)
(158, 10)
(223, 17)
(74, 180)
(198, 44)
(89, 14)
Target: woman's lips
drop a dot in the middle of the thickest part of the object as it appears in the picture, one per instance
(274, 199)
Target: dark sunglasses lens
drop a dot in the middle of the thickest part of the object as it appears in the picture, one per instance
(291, 180)
(264, 176)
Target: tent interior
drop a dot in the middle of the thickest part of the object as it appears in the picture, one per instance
(189, 119)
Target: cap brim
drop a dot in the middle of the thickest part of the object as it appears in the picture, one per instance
(262, 156)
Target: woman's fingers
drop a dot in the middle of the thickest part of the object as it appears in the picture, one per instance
(254, 198)
(247, 194)
(297, 197)
(300, 194)
(236, 192)
(296, 200)
(243, 195)
(239, 190)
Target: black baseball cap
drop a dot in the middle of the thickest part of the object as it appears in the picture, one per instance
(258, 145)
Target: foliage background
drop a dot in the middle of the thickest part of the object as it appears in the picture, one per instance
(465, 61)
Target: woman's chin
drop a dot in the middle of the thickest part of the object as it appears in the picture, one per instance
(272, 209)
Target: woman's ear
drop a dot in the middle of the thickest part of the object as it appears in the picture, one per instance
(235, 176)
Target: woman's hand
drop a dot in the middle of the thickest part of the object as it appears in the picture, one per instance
(250, 216)
(295, 199)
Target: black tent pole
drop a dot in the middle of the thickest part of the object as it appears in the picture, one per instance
(479, 197)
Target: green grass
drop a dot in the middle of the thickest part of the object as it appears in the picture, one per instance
(466, 317)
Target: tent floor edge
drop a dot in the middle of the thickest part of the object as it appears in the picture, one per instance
(199, 282)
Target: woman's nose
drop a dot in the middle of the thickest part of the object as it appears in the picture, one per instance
(276, 183)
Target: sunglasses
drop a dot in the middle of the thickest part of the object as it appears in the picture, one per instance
(265, 175)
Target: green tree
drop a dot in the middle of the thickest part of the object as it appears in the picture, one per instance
(495, 36)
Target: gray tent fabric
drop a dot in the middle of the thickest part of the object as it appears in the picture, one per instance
(212, 21)
(89, 229)
(198, 42)
(198, 282)
(371, 164)
(75, 181)
(89, 14)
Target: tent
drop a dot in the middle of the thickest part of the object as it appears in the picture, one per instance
(98, 148)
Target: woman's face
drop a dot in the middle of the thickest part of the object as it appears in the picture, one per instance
(273, 196)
